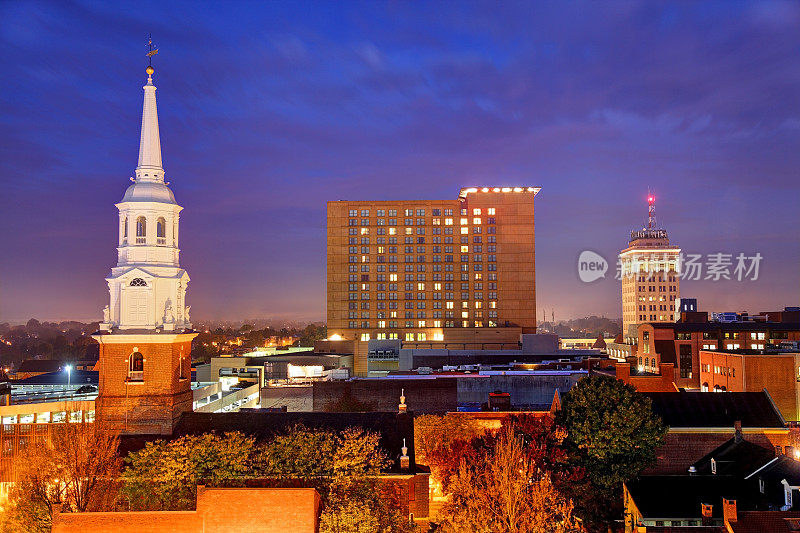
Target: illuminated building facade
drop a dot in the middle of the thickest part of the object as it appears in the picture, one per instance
(650, 272)
(433, 273)
(145, 337)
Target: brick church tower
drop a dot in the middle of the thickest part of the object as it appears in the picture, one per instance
(146, 336)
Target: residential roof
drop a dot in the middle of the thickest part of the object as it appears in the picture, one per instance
(782, 467)
(681, 497)
(40, 365)
(734, 458)
(62, 378)
(763, 521)
(707, 409)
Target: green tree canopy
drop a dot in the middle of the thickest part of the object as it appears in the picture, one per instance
(612, 429)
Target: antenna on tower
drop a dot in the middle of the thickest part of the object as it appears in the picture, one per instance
(651, 210)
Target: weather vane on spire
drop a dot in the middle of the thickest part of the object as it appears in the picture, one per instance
(151, 52)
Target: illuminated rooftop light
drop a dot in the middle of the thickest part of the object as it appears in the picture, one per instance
(466, 190)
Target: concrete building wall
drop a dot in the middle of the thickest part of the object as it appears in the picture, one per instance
(295, 398)
(438, 395)
(525, 390)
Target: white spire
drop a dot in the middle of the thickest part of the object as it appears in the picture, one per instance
(149, 168)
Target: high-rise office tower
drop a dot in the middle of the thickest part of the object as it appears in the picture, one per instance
(433, 273)
(650, 271)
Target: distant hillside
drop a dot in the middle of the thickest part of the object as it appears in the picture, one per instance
(590, 326)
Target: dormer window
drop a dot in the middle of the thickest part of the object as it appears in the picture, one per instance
(138, 282)
(161, 231)
(136, 367)
(141, 230)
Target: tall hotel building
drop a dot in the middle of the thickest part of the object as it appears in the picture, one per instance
(455, 274)
(650, 271)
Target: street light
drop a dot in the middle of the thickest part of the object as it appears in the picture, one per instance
(68, 368)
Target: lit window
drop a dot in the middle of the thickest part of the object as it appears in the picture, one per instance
(464, 221)
(136, 367)
(365, 336)
(490, 211)
(476, 220)
(476, 211)
(409, 336)
(464, 230)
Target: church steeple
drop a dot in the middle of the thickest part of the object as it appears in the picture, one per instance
(149, 167)
(147, 288)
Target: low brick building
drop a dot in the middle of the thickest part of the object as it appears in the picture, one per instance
(219, 510)
(752, 371)
(680, 343)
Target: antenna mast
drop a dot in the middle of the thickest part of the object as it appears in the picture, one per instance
(651, 210)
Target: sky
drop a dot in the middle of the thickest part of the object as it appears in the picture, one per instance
(270, 109)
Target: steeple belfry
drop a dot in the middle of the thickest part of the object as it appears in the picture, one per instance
(149, 167)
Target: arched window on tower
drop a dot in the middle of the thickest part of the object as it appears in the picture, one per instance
(125, 231)
(136, 367)
(141, 230)
(161, 231)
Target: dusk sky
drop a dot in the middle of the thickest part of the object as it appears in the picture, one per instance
(270, 109)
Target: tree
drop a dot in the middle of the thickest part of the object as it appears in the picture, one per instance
(613, 434)
(505, 490)
(358, 504)
(164, 474)
(441, 441)
(308, 454)
(612, 427)
(78, 467)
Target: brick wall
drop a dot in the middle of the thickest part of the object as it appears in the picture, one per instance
(154, 404)
(250, 510)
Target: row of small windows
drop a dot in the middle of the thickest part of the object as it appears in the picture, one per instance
(420, 221)
(464, 230)
(417, 211)
(422, 324)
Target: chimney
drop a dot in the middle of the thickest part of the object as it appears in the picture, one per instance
(624, 372)
(405, 460)
(737, 431)
(667, 371)
(729, 511)
(707, 510)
